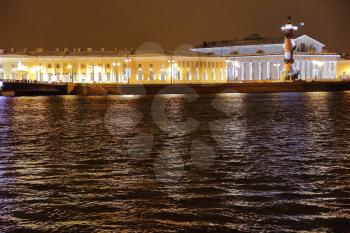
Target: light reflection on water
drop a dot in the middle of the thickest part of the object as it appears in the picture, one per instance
(265, 162)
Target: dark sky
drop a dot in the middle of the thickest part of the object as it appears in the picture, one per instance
(170, 23)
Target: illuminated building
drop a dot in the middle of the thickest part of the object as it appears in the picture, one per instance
(108, 67)
(249, 60)
(258, 58)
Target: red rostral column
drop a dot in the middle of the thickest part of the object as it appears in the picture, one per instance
(289, 72)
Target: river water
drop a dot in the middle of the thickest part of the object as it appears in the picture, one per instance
(176, 163)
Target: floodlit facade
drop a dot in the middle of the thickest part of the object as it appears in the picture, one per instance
(105, 67)
(258, 58)
(344, 69)
(252, 59)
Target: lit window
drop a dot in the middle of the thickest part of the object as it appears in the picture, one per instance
(151, 75)
(221, 75)
(139, 74)
(108, 77)
(213, 75)
(196, 75)
(178, 75)
(188, 75)
(205, 76)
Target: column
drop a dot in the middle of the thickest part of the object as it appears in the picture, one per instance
(104, 74)
(335, 69)
(242, 71)
(268, 70)
(302, 70)
(62, 72)
(259, 71)
(250, 70)
(79, 72)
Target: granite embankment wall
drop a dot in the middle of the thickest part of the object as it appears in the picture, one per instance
(29, 89)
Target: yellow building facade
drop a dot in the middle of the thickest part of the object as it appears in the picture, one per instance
(130, 69)
(344, 69)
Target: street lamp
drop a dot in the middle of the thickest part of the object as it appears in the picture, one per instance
(171, 61)
(70, 67)
(127, 61)
(22, 69)
(116, 66)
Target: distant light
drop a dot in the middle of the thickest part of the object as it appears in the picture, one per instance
(302, 24)
(1, 84)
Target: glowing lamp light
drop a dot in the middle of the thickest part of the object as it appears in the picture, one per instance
(69, 66)
(21, 67)
(36, 68)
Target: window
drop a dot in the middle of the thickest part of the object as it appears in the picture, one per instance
(139, 75)
(178, 75)
(212, 76)
(196, 75)
(108, 77)
(205, 76)
(151, 75)
(221, 75)
(188, 75)
(92, 76)
(100, 77)
(162, 75)
(2, 75)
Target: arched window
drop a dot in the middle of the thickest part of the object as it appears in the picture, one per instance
(139, 75)
(151, 75)
(178, 75)
(212, 76)
(188, 75)
(205, 76)
(196, 75)
(162, 75)
(221, 75)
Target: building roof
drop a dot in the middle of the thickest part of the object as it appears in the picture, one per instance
(253, 39)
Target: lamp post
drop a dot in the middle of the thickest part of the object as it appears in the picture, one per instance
(22, 69)
(70, 68)
(116, 68)
(127, 61)
(171, 61)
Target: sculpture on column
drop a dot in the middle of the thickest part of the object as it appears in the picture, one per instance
(289, 72)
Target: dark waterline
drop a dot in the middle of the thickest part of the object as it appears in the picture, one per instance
(240, 163)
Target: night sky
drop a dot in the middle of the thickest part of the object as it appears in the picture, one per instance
(170, 23)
